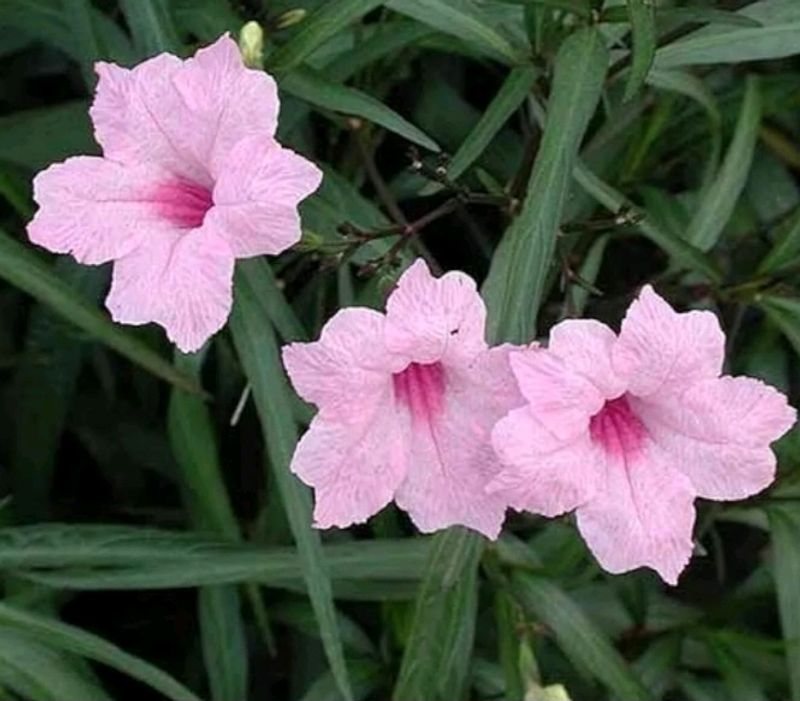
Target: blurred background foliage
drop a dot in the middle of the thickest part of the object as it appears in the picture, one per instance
(153, 543)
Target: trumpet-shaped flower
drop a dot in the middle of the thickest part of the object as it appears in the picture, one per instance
(407, 401)
(191, 178)
(629, 429)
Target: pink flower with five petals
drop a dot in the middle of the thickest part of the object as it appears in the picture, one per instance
(407, 401)
(191, 178)
(629, 429)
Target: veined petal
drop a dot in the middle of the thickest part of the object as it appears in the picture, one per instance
(96, 209)
(184, 282)
(643, 517)
(185, 116)
(354, 468)
(348, 371)
(257, 194)
(718, 433)
(451, 458)
(662, 351)
(540, 473)
(432, 319)
(585, 345)
(562, 399)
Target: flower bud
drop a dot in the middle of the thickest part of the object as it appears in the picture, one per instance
(287, 19)
(251, 44)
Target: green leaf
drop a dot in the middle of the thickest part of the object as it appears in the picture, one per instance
(785, 314)
(643, 27)
(366, 676)
(437, 653)
(740, 685)
(734, 44)
(519, 271)
(194, 445)
(786, 250)
(61, 636)
(512, 93)
(464, 19)
(42, 392)
(23, 269)
(325, 22)
(259, 354)
(613, 200)
(314, 88)
(206, 19)
(577, 636)
(784, 522)
(224, 642)
(152, 26)
(718, 202)
(61, 131)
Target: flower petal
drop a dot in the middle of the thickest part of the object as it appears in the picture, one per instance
(257, 194)
(184, 282)
(643, 516)
(562, 399)
(354, 468)
(348, 371)
(540, 473)
(585, 345)
(451, 457)
(184, 115)
(430, 319)
(661, 350)
(96, 209)
(718, 434)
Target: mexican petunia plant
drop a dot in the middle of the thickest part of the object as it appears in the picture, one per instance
(191, 178)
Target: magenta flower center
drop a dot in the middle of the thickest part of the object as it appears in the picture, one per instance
(421, 388)
(183, 203)
(617, 428)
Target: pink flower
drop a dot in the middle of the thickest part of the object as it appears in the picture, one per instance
(407, 401)
(191, 179)
(629, 429)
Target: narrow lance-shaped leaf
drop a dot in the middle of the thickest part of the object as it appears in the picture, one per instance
(786, 251)
(23, 269)
(643, 28)
(440, 618)
(152, 26)
(309, 85)
(784, 522)
(514, 90)
(717, 205)
(62, 636)
(258, 351)
(326, 21)
(519, 270)
(577, 635)
(785, 313)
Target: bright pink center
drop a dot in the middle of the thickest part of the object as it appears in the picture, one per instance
(421, 389)
(617, 428)
(183, 203)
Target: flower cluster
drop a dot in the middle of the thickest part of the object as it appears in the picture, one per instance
(624, 429)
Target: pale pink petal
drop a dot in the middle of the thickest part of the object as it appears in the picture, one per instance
(227, 101)
(643, 517)
(185, 116)
(354, 468)
(451, 459)
(139, 117)
(257, 194)
(184, 282)
(96, 209)
(585, 345)
(540, 473)
(562, 399)
(348, 371)
(718, 433)
(430, 319)
(662, 351)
